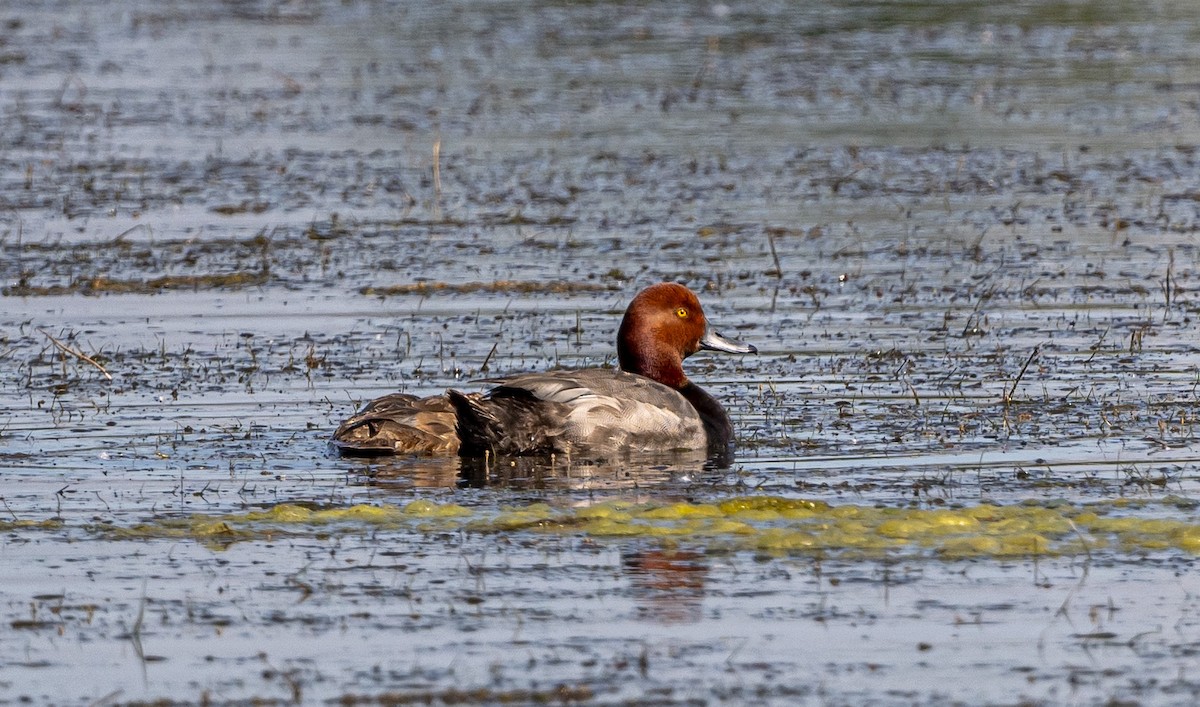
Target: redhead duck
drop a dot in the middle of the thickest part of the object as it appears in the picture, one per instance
(649, 406)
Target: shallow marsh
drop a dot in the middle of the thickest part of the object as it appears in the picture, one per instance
(962, 235)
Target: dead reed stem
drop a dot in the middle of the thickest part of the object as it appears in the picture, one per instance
(76, 353)
(1008, 395)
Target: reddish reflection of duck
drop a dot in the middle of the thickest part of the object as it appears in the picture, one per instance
(668, 584)
(648, 406)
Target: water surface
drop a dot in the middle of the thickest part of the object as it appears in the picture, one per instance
(961, 235)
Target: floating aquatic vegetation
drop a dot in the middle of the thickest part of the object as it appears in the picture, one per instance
(769, 524)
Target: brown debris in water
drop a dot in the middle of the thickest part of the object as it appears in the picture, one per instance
(245, 207)
(560, 694)
(100, 284)
(514, 286)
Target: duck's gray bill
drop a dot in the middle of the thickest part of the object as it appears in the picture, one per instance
(715, 342)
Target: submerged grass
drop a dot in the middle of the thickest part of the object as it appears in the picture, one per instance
(8, 526)
(498, 286)
(100, 284)
(768, 524)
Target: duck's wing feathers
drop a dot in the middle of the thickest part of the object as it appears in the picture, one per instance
(593, 410)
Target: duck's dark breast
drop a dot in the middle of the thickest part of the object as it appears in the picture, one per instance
(718, 428)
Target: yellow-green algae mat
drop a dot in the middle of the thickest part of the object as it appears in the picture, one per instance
(762, 523)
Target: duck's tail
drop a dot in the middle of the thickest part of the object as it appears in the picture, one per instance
(479, 430)
(504, 422)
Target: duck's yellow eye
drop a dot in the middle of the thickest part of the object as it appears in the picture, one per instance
(681, 313)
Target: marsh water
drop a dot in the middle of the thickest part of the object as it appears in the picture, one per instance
(962, 235)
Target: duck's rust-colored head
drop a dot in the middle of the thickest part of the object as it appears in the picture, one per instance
(663, 325)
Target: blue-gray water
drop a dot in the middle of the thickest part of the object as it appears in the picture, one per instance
(915, 210)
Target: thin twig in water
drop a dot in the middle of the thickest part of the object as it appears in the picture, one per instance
(135, 632)
(437, 168)
(1008, 395)
(1086, 548)
(77, 354)
(437, 179)
(913, 390)
(774, 255)
(902, 374)
(10, 511)
(484, 367)
(1167, 283)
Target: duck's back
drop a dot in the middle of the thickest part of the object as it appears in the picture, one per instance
(593, 411)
